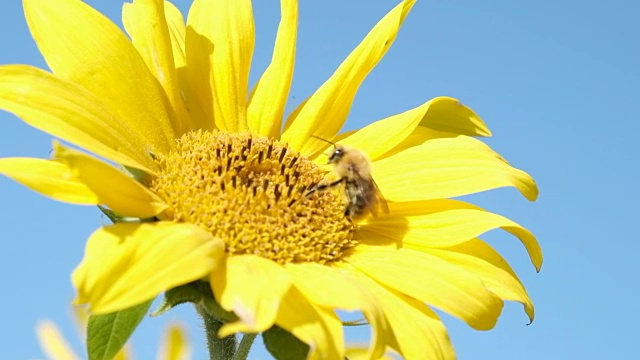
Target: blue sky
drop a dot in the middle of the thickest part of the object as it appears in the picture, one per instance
(555, 81)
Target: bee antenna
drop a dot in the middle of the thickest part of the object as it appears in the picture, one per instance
(323, 139)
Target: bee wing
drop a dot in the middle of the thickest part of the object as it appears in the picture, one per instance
(379, 199)
(373, 199)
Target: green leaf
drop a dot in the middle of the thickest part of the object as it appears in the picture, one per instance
(107, 334)
(283, 345)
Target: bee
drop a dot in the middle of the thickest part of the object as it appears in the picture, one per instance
(354, 170)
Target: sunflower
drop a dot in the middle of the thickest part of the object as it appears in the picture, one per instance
(210, 182)
(174, 344)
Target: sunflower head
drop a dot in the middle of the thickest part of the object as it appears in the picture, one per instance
(251, 192)
(225, 203)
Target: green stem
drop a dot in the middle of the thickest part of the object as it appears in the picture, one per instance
(244, 347)
(219, 349)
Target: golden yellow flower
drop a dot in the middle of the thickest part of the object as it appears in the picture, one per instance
(221, 180)
(174, 344)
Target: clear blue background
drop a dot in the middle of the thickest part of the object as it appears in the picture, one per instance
(557, 83)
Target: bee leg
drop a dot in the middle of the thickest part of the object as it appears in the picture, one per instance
(317, 188)
(323, 187)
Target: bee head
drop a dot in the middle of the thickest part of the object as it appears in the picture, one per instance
(338, 151)
(336, 155)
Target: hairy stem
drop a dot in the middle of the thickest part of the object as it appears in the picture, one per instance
(219, 349)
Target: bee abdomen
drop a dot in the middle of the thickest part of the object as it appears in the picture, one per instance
(358, 201)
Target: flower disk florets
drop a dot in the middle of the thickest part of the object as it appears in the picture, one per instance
(250, 192)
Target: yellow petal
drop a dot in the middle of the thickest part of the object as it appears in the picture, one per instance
(448, 167)
(381, 136)
(313, 279)
(252, 287)
(444, 223)
(188, 77)
(144, 21)
(94, 53)
(175, 345)
(479, 258)
(269, 97)
(337, 289)
(177, 33)
(81, 318)
(358, 352)
(326, 110)
(198, 51)
(53, 344)
(450, 115)
(431, 280)
(68, 111)
(419, 136)
(317, 327)
(224, 31)
(115, 189)
(445, 118)
(419, 333)
(48, 177)
(124, 354)
(126, 264)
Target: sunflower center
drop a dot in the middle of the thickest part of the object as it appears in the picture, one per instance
(250, 192)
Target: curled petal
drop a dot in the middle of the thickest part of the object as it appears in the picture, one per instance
(441, 113)
(419, 333)
(315, 326)
(252, 287)
(419, 136)
(154, 257)
(443, 223)
(480, 259)
(381, 136)
(447, 287)
(447, 114)
(337, 289)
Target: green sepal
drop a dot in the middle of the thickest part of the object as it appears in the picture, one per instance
(115, 218)
(107, 334)
(199, 293)
(359, 322)
(139, 175)
(282, 345)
